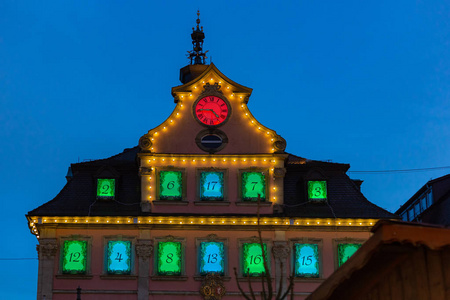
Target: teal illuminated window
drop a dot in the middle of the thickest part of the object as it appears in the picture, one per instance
(253, 184)
(106, 188)
(211, 186)
(345, 251)
(119, 257)
(170, 185)
(306, 260)
(212, 258)
(252, 259)
(169, 258)
(317, 190)
(74, 257)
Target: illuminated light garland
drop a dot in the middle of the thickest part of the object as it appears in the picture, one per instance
(188, 221)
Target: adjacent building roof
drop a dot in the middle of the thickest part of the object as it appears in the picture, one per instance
(78, 197)
(401, 260)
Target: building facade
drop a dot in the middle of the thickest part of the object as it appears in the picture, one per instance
(430, 204)
(179, 216)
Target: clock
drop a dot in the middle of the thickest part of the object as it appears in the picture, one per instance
(211, 110)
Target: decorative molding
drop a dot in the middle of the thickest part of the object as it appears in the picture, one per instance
(212, 287)
(279, 172)
(144, 249)
(279, 144)
(280, 251)
(212, 237)
(145, 143)
(145, 171)
(212, 89)
(47, 248)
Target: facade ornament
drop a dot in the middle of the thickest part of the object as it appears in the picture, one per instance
(211, 237)
(279, 172)
(212, 89)
(212, 287)
(145, 171)
(280, 251)
(279, 144)
(145, 143)
(47, 248)
(144, 249)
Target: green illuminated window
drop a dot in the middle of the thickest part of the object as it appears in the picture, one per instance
(106, 188)
(317, 190)
(211, 186)
(119, 257)
(170, 185)
(212, 257)
(253, 184)
(306, 260)
(74, 257)
(345, 251)
(169, 258)
(252, 259)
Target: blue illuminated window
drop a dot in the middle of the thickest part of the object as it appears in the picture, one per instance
(212, 258)
(119, 257)
(306, 260)
(211, 186)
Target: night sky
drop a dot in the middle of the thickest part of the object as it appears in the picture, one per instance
(359, 82)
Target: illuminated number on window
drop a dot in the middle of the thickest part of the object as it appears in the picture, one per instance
(119, 257)
(170, 185)
(253, 263)
(255, 260)
(211, 257)
(306, 260)
(253, 184)
(211, 185)
(169, 258)
(74, 257)
(105, 187)
(317, 190)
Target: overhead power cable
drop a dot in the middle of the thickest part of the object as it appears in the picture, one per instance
(401, 170)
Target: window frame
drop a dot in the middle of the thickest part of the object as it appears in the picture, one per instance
(111, 238)
(266, 173)
(183, 184)
(317, 200)
(337, 242)
(198, 198)
(212, 238)
(253, 240)
(169, 238)
(88, 240)
(314, 241)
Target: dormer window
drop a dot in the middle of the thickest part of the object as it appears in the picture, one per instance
(106, 188)
(317, 190)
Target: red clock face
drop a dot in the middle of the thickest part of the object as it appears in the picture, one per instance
(211, 110)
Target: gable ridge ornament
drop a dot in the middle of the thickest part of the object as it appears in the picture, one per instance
(214, 89)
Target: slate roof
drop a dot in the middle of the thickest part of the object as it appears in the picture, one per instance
(78, 197)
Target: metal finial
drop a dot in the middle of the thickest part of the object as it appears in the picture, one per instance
(197, 56)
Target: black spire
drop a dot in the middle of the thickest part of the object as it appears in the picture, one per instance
(197, 56)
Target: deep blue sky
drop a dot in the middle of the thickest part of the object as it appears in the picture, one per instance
(359, 82)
